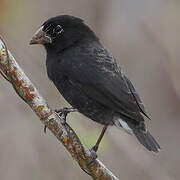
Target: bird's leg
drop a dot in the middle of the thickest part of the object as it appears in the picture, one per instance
(96, 146)
(63, 114)
(94, 149)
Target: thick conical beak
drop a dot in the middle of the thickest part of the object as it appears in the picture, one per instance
(40, 37)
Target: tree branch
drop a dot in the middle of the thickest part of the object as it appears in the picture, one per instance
(12, 72)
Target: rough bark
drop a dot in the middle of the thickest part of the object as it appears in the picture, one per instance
(12, 72)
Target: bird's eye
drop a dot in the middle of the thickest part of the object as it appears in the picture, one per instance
(59, 29)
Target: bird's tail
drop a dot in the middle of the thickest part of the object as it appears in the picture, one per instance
(144, 137)
(147, 140)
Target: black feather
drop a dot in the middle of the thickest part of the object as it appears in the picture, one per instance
(146, 139)
(88, 77)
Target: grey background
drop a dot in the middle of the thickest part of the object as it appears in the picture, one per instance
(144, 37)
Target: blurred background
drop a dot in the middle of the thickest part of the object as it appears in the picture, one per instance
(144, 37)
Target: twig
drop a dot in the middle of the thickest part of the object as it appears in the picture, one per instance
(4, 76)
(4, 52)
(63, 132)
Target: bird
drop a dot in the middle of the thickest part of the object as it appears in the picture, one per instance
(88, 76)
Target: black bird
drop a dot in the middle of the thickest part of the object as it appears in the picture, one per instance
(88, 77)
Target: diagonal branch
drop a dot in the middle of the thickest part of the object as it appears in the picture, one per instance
(12, 72)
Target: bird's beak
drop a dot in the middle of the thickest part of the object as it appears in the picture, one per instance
(40, 37)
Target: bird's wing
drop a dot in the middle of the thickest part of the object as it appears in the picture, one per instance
(101, 79)
(136, 97)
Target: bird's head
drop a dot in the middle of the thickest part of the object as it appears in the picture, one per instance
(62, 31)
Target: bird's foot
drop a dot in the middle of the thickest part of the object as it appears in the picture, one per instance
(62, 113)
(94, 148)
(93, 154)
(45, 127)
(65, 111)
